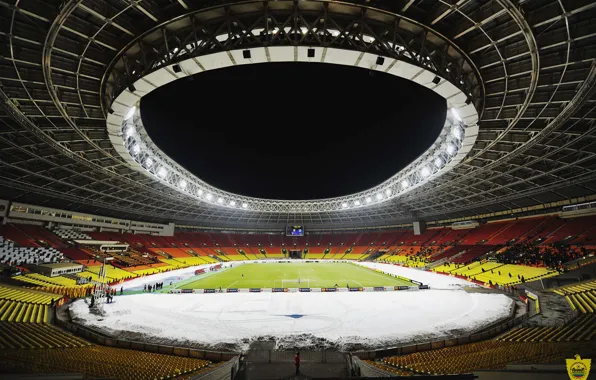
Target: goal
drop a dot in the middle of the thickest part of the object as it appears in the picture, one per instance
(294, 283)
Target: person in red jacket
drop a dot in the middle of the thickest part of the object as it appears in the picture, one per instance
(297, 362)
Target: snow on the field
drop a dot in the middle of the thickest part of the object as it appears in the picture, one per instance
(434, 280)
(370, 319)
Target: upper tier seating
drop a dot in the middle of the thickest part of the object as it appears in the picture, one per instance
(41, 235)
(17, 236)
(71, 234)
(27, 255)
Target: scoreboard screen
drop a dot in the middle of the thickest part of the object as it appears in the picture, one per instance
(294, 231)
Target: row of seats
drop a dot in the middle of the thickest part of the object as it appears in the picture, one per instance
(45, 280)
(486, 355)
(71, 234)
(14, 311)
(26, 295)
(9, 252)
(580, 296)
(36, 336)
(102, 362)
(582, 328)
(497, 273)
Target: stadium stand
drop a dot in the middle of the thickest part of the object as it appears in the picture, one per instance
(580, 296)
(490, 354)
(71, 234)
(582, 328)
(11, 253)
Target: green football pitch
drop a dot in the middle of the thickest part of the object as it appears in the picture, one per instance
(286, 275)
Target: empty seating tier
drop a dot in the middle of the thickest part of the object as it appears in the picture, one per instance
(101, 362)
(487, 355)
(37, 336)
(26, 295)
(71, 234)
(583, 328)
(14, 311)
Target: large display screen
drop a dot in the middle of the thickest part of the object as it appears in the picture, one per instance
(294, 231)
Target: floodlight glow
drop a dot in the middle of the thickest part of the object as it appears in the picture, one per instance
(438, 162)
(357, 202)
(303, 29)
(136, 149)
(182, 184)
(379, 196)
(220, 200)
(368, 199)
(450, 149)
(175, 50)
(344, 205)
(232, 203)
(455, 114)
(131, 112)
(405, 184)
(425, 171)
(209, 197)
(388, 192)
(245, 205)
(456, 132)
(130, 130)
(148, 162)
(162, 172)
(200, 192)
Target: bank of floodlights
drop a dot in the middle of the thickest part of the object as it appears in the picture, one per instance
(163, 169)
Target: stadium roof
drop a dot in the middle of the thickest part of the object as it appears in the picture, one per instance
(527, 68)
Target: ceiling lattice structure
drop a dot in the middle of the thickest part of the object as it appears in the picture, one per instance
(537, 132)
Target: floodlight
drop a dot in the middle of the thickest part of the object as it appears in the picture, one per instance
(344, 205)
(131, 112)
(456, 132)
(182, 184)
(136, 149)
(200, 192)
(209, 197)
(450, 149)
(405, 184)
(130, 130)
(455, 114)
(368, 199)
(175, 50)
(220, 200)
(438, 162)
(232, 203)
(303, 29)
(357, 202)
(388, 192)
(425, 171)
(162, 172)
(379, 196)
(148, 162)
(244, 205)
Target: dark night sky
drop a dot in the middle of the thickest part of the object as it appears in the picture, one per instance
(293, 130)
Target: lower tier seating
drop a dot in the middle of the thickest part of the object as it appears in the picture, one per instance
(14, 311)
(101, 362)
(32, 335)
(490, 354)
(583, 328)
(14, 293)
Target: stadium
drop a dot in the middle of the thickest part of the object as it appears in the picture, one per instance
(297, 189)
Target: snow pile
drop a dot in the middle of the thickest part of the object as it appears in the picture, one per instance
(434, 280)
(340, 320)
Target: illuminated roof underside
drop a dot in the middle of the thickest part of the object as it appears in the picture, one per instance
(131, 140)
(527, 67)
